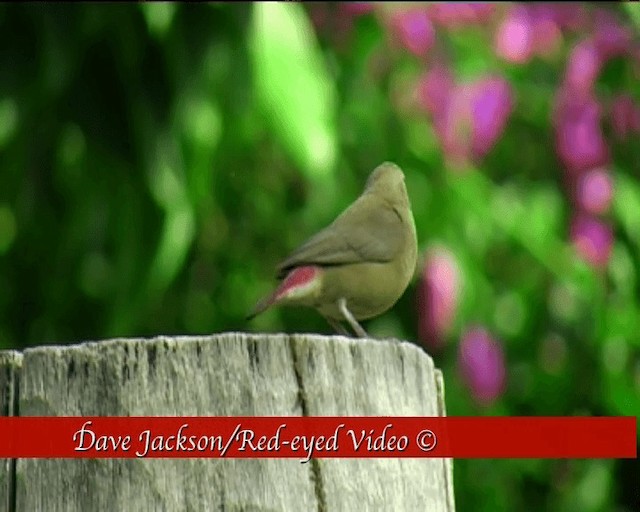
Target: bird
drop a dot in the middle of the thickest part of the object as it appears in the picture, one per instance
(358, 266)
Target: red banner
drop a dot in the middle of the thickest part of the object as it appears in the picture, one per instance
(318, 437)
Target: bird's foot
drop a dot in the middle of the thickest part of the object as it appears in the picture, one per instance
(357, 328)
(337, 326)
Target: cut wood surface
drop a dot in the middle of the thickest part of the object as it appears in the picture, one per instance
(230, 374)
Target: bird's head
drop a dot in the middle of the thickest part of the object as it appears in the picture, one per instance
(387, 181)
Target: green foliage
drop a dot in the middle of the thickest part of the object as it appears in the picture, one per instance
(158, 160)
(292, 85)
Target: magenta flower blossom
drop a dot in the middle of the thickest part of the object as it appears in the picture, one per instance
(514, 37)
(414, 29)
(469, 118)
(579, 140)
(568, 16)
(491, 107)
(625, 116)
(611, 38)
(592, 239)
(595, 191)
(438, 296)
(357, 8)
(454, 129)
(434, 89)
(434, 94)
(532, 29)
(583, 67)
(546, 29)
(460, 13)
(481, 364)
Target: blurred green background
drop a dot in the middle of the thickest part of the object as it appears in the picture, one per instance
(158, 160)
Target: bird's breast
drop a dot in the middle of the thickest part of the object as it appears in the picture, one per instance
(369, 288)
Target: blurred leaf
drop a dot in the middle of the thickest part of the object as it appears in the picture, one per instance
(593, 488)
(8, 120)
(621, 392)
(634, 12)
(623, 274)
(159, 16)
(292, 83)
(7, 228)
(531, 225)
(200, 124)
(178, 228)
(626, 206)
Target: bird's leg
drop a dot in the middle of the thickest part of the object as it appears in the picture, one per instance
(337, 326)
(357, 328)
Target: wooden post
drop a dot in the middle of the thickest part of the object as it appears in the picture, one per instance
(10, 362)
(230, 374)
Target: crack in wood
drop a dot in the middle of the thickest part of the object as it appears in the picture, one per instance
(14, 410)
(316, 474)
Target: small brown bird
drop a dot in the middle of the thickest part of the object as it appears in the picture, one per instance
(358, 266)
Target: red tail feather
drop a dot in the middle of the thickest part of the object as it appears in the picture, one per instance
(300, 276)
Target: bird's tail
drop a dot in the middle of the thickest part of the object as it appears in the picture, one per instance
(262, 305)
(299, 283)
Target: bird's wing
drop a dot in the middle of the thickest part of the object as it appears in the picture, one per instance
(363, 234)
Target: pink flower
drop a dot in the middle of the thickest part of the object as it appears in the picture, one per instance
(434, 89)
(414, 30)
(454, 127)
(491, 107)
(357, 8)
(438, 296)
(468, 118)
(481, 363)
(474, 119)
(595, 191)
(625, 116)
(611, 39)
(592, 240)
(579, 140)
(583, 67)
(571, 16)
(460, 13)
(546, 33)
(435, 95)
(514, 38)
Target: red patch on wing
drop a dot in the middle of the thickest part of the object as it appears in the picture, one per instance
(299, 276)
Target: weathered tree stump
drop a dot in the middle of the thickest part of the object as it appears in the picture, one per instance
(231, 374)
